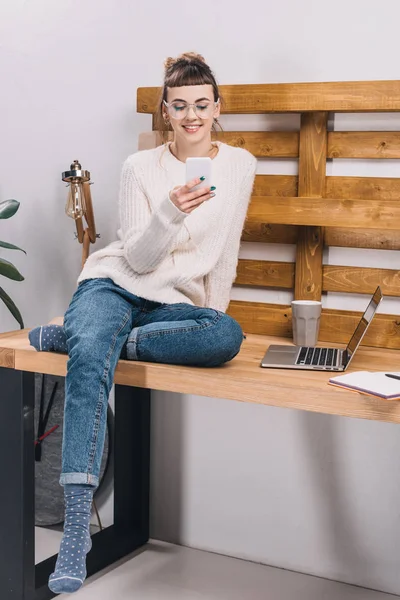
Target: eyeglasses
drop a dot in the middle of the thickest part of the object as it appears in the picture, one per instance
(179, 110)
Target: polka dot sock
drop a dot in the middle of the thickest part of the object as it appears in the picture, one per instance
(49, 338)
(70, 571)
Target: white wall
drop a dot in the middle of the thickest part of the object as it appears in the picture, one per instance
(314, 493)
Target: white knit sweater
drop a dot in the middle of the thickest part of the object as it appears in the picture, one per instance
(164, 254)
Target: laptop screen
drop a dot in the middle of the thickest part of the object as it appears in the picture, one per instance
(364, 322)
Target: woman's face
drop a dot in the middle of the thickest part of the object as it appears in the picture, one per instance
(192, 124)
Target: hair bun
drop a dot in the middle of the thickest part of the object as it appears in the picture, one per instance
(189, 56)
(192, 56)
(168, 62)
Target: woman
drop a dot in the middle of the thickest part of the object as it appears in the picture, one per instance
(165, 283)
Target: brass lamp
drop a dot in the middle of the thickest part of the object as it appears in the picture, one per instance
(79, 206)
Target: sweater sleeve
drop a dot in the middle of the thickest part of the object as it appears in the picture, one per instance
(218, 283)
(147, 235)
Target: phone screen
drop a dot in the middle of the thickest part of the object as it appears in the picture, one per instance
(196, 167)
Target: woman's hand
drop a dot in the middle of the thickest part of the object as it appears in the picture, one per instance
(186, 200)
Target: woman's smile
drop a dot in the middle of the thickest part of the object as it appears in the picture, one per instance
(191, 128)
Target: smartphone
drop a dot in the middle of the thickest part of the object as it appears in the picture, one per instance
(199, 166)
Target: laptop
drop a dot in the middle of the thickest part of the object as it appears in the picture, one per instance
(322, 359)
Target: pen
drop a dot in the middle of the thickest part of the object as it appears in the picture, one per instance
(392, 376)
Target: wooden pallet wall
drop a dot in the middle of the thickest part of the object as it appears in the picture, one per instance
(313, 210)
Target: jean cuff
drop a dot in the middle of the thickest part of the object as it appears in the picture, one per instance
(131, 344)
(87, 478)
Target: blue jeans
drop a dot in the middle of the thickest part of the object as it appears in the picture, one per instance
(103, 323)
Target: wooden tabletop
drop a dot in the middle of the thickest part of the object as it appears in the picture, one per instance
(241, 379)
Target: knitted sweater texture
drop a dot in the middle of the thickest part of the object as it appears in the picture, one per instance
(164, 254)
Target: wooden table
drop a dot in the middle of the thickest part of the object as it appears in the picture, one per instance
(242, 379)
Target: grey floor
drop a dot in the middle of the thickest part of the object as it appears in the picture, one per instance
(163, 571)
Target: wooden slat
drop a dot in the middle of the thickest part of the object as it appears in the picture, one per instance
(363, 144)
(342, 237)
(347, 96)
(265, 273)
(308, 275)
(337, 326)
(311, 181)
(267, 232)
(341, 144)
(360, 280)
(275, 185)
(263, 144)
(368, 214)
(352, 280)
(368, 188)
(285, 144)
(312, 154)
(272, 185)
(371, 188)
(262, 318)
(361, 238)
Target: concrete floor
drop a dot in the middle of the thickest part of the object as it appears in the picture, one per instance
(163, 571)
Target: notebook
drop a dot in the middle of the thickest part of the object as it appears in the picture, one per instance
(375, 383)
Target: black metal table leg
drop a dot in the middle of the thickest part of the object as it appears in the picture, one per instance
(132, 461)
(17, 533)
(131, 481)
(19, 578)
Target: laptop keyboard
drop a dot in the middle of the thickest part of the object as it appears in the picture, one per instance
(322, 357)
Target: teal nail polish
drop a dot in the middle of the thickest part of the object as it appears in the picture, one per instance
(213, 188)
(202, 178)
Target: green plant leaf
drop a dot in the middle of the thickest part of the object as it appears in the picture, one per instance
(11, 307)
(8, 208)
(8, 270)
(10, 246)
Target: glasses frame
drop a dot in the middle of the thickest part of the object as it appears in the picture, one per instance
(169, 104)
